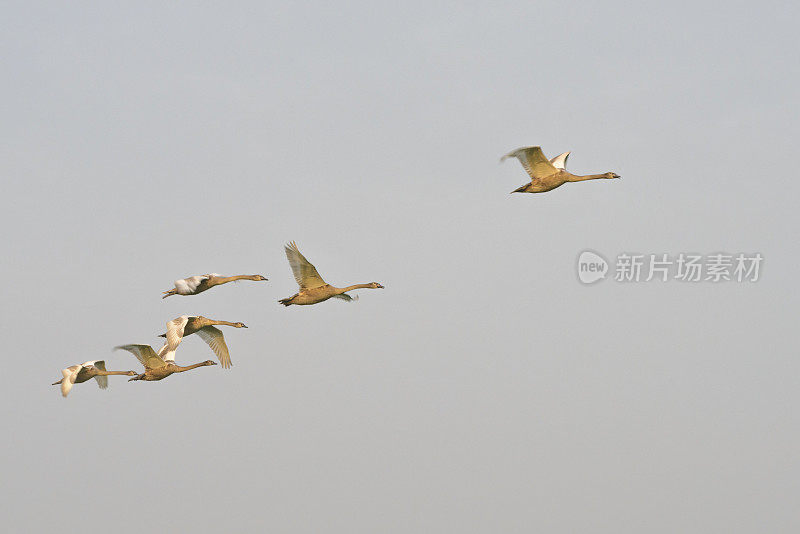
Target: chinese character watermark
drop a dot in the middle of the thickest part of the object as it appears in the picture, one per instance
(684, 267)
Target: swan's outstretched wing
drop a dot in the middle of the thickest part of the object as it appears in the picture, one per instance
(533, 161)
(560, 161)
(214, 338)
(306, 274)
(188, 286)
(102, 381)
(145, 354)
(175, 331)
(69, 374)
(166, 354)
(345, 296)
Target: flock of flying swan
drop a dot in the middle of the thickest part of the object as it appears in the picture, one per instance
(545, 175)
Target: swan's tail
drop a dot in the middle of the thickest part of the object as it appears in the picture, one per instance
(521, 189)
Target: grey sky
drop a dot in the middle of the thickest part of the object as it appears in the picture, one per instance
(485, 389)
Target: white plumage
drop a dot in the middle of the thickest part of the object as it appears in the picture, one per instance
(188, 286)
(72, 374)
(560, 161)
(69, 374)
(186, 325)
(174, 336)
(193, 285)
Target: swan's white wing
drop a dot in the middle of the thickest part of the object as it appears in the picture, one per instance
(175, 331)
(214, 338)
(533, 160)
(306, 274)
(145, 354)
(166, 354)
(102, 381)
(560, 161)
(188, 286)
(345, 296)
(69, 374)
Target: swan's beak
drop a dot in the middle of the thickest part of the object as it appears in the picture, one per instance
(380, 286)
(244, 326)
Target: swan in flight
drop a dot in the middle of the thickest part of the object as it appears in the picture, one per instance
(186, 325)
(77, 374)
(313, 288)
(158, 366)
(197, 284)
(547, 174)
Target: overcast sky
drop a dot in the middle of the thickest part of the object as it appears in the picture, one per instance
(485, 389)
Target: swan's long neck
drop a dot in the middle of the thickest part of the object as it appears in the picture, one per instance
(180, 369)
(354, 286)
(576, 178)
(223, 323)
(109, 373)
(217, 280)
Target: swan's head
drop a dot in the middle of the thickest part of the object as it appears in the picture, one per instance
(612, 175)
(260, 278)
(209, 362)
(132, 373)
(375, 285)
(239, 325)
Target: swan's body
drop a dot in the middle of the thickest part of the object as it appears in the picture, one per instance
(313, 288)
(77, 374)
(197, 284)
(547, 174)
(186, 325)
(158, 366)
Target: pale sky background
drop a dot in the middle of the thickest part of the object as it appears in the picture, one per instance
(485, 389)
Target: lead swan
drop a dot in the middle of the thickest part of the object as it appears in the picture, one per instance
(547, 174)
(313, 288)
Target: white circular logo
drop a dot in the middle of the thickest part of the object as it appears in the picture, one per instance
(591, 267)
